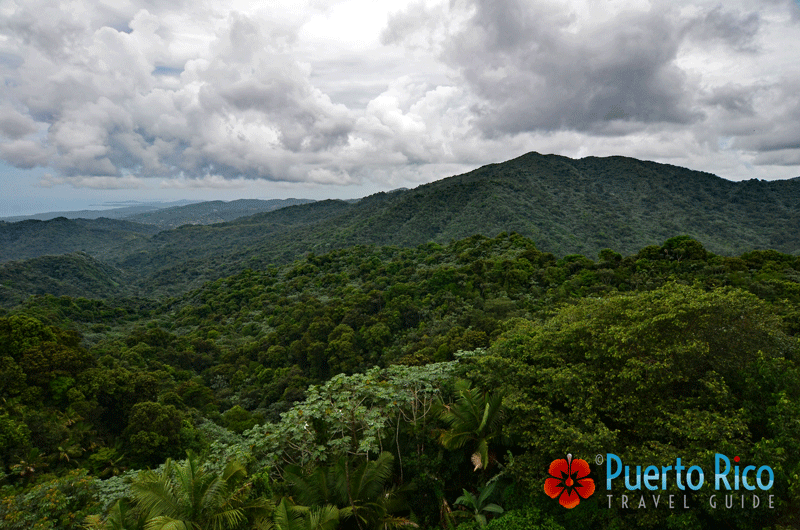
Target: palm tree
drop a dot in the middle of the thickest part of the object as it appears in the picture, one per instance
(289, 517)
(359, 493)
(34, 462)
(189, 497)
(476, 416)
(121, 517)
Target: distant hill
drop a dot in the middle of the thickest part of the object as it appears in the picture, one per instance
(582, 206)
(121, 212)
(172, 214)
(210, 212)
(101, 236)
(98, 237)
(565, 206)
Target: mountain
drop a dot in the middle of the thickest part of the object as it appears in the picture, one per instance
(172, 214)
(582, 206)
(121, 212)
(98, 237)
(210, 212)
(565, 206)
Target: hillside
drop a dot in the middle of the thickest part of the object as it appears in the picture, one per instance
(97, 237)
(565, 206)
(582, 206)
(120, 212)
(210, 212)
(76, 274)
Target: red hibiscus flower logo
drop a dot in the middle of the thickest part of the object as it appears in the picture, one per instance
(569, 481)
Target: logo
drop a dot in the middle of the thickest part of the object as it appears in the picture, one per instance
(736, 484)
(569, 481)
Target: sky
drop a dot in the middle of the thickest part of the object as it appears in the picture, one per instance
(203, 100)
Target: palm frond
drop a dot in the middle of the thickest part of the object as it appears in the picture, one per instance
(167, 523)
(324, 518)
(190, 496)
(286, 518)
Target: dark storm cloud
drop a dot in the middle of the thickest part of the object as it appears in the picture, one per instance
(776, 135)
(732, 98)
(534, 75)
(737, 30)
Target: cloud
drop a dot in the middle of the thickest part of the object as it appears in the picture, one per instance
(634, 70)
(246, 110)
(208, 181)
(25, 154)
(775, 131)
(200, 94)
(420, 26)
(93, 182)
(533, 74)
(14, 124)
(734, 29)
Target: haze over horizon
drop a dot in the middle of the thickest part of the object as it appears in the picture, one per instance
(340, 99)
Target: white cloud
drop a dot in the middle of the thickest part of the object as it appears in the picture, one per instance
(357, 93)
(93, 182)
(207, 181)
(14, 124)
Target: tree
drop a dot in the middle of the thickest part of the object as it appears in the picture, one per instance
(121, 517)
(189, 497)
(290, 517)
(153, 431)
(477, 417)
(14, 438)
(53, 502)
(351, 415)
(359, 492)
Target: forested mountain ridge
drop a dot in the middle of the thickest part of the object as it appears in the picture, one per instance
(582, 206)
(566, 206)
(210, 212)
(172, 214)
(100, 237)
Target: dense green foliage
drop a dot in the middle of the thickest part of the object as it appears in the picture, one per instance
(75, 275)
(99, 237)
(651, 377)
(385, 387)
